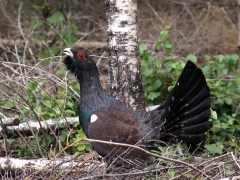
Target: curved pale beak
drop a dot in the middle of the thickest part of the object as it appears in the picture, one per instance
(68, 52)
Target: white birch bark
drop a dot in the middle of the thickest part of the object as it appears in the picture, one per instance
(66, 163)
(124, 70)
(26, 127)
(10, 122)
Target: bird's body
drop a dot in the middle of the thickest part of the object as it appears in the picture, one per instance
(182, 117)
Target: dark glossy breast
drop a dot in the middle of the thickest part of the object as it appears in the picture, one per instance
(116, 124)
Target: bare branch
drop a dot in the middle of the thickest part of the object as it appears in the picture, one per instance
(149, 153)
(235, 160)
(24, 128)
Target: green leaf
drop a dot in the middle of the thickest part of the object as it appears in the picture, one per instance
(70, 112)
(74, 27)
(207, 57)
(32, 86)
(228, 101)
(89, 147)
(171, 173)
(61, 72)
(206, 69)
(70, 104)
(56, 17)
(164, 33)
(216, 148)
(81, 148)
(68, 38)
(148, 72)
(48, 103)
(7, 105)
(225, 72)
(170, 88)
(60, 102)
(224, 125)
(63, 137)
(81, 134)
(192, 58)
(44, 54)
(220, 101)
(46, 116)
(153, 95)
(54, 50)
(148, 59)
(157, 83)
(38, 109)
(174, 65)
(234, 57)
(158, 65)
(142, 48)
(35, 24)
(158, 43)
(220, 58)
(233, 61)
(168, 46)
(227, 57)
(57, 110)
(163, 72)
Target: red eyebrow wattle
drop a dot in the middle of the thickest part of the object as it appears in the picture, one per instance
(80, 54)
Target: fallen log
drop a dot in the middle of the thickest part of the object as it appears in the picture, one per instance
(66, 163)
(26, 128)
(10, 122)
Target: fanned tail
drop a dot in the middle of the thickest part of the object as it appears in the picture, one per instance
(187, 108)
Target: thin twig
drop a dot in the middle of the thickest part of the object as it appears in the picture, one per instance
(202, 164)
(149, 153)
(235, 160)
(88, 158)
(47, 165)
(132, 173)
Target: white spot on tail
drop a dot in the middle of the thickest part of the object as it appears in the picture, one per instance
(93, 118)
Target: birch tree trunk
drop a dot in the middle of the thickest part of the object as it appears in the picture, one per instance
(124, 70)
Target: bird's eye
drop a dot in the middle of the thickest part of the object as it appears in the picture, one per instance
(82, 55)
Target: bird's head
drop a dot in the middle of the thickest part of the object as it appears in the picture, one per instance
(78, 61)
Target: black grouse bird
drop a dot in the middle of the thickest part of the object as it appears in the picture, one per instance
(184, 116)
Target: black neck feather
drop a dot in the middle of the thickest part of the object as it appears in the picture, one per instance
(92, 95)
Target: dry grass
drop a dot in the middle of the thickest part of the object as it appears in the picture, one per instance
(197, 26)
(172, 164)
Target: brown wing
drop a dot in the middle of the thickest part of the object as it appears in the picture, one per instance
(114, 124)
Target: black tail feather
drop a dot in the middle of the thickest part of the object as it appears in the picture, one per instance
(187, 108)
(195, 129)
